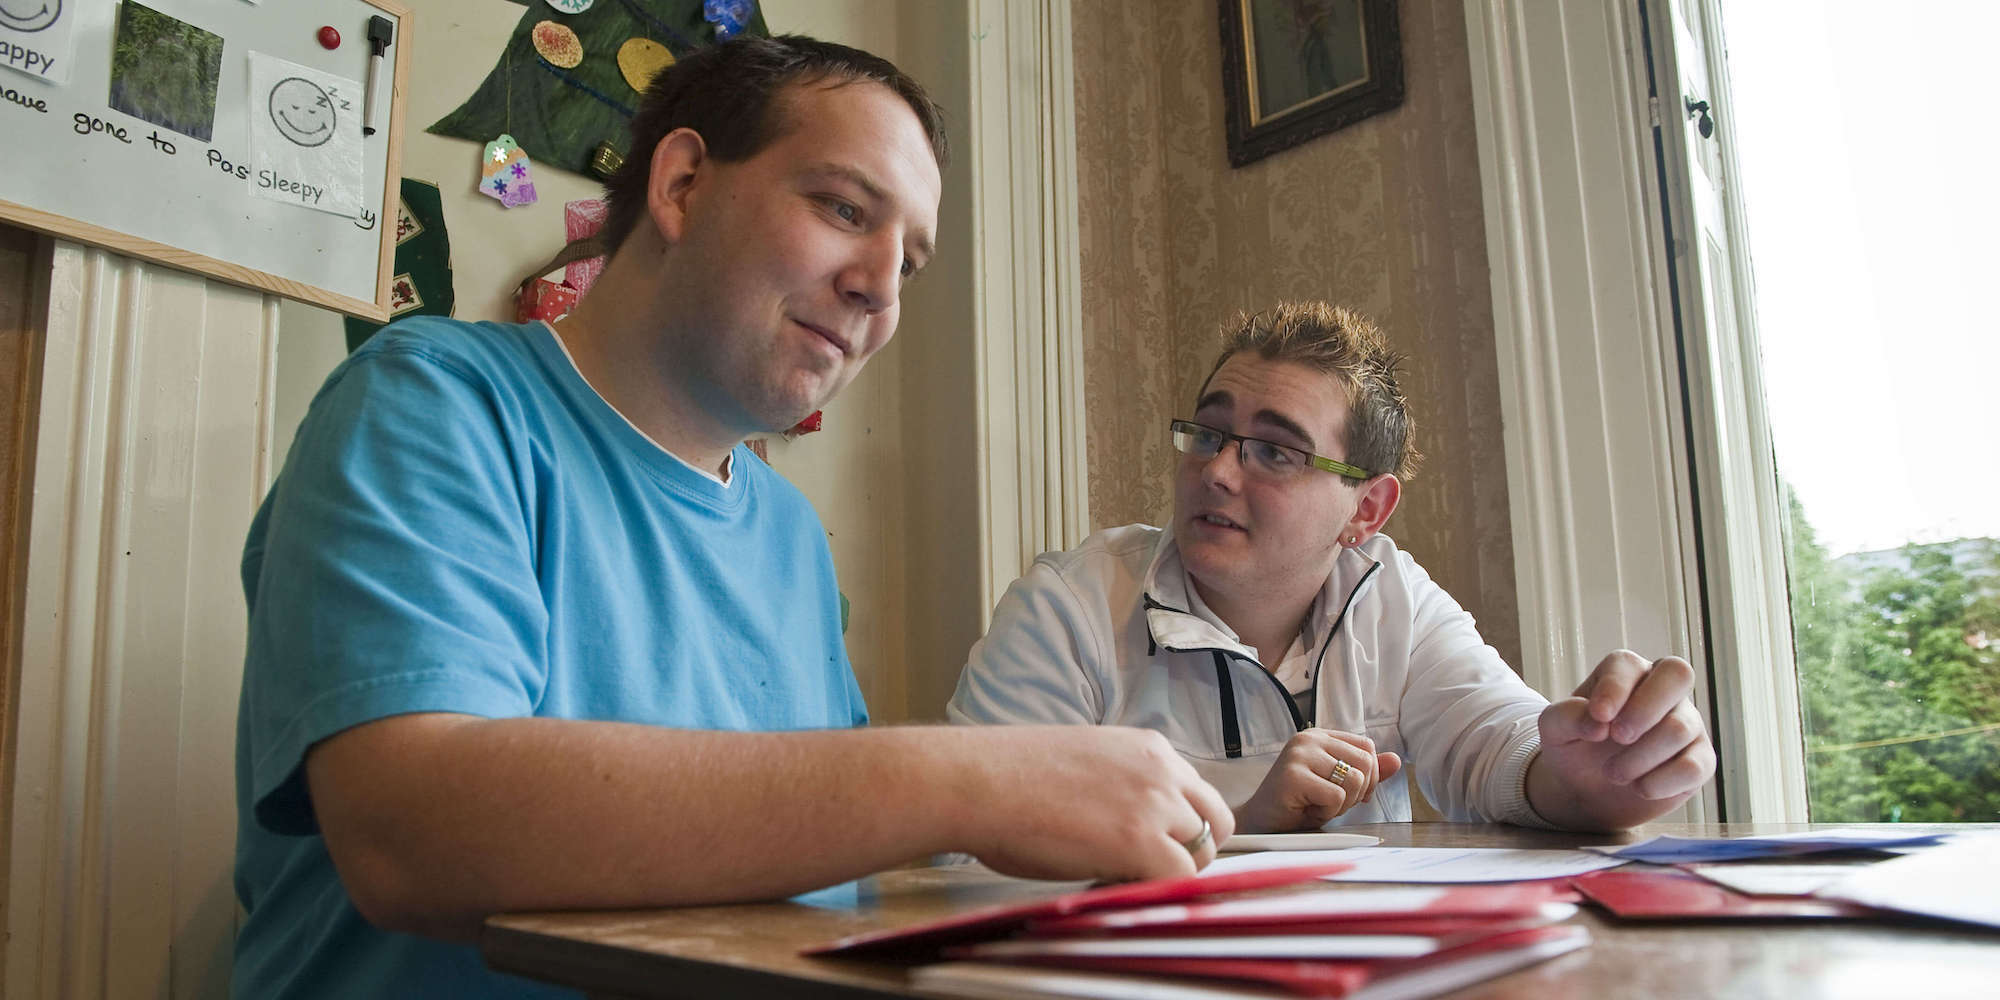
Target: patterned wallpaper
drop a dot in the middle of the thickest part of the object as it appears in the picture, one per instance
(1384, 216)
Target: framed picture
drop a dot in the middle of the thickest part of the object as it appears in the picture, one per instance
(1295, 69)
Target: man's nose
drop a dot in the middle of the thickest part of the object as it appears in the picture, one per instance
(873, 280)
(1224, 469)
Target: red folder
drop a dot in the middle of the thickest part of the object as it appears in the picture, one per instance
(1430, 975)
(1351, 907)
(1672, 894)
(992, 921)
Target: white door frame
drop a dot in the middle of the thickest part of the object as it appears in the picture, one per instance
(1034, 477)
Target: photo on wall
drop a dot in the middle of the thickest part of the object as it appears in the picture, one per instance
(1296, 69)
(165, 71)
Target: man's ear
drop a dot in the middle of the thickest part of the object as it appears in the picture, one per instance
(678, 160)
(1379, 497)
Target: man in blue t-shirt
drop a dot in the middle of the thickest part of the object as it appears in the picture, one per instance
(529, 629)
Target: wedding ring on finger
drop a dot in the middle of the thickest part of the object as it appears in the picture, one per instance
(1340, 772)
(1200, 840)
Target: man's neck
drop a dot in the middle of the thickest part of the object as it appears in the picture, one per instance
(1267, 621)
(616, 355)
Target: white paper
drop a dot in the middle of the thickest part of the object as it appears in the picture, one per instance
(1296, 841)
(1319, 903)
(1304, 946)
(305, 136)
(36, 37)
(1261, 860)
(1441, 864)
(1959, 881)
(1007, 982)
(1775, 880)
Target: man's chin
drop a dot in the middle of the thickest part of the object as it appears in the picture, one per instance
(783, 411)
(1208, 558)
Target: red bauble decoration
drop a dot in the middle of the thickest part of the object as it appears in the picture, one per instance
(329, 37)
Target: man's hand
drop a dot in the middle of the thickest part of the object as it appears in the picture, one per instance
(1077, 802)
(1305, 787)
(1626, 748)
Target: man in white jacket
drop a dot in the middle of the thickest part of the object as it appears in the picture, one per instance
(1292, 653)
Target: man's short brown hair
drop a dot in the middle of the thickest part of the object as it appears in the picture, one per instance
(1344, 345)
(732, 94)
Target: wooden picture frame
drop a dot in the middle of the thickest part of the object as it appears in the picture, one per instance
(1296, 69)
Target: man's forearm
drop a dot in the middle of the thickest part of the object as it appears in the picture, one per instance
(477, 816)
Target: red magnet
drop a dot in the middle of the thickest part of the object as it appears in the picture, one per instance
(329, 37)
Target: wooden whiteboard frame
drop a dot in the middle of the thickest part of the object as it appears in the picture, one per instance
(249, 277)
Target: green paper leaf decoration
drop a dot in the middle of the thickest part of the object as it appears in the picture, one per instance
(423, 260)
(560, 115)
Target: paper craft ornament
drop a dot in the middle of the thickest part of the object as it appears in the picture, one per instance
(544, 299)
(503, 173)
(422, 285)
(561, 115)
(582, 220)
(728, 16)
(642, 59)
(812, 423)
(559, 45)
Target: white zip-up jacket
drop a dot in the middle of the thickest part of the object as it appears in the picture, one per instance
(1112, 633)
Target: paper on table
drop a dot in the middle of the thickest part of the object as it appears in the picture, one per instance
(1653, 893)
(999, 918)
(1234, 979)
(1676, 850)
(1959, 881)
(1296, 842)
(1775, 880)
(1261, 860)
(1225, 946)
(1436, 864)
(1925, 845)
(1347, 909)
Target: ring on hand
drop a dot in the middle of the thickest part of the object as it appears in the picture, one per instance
(1198, 841)
(1340, 772)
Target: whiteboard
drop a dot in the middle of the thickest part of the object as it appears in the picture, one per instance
(77, 167)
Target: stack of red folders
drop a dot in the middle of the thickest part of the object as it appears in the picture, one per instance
(1174, 939)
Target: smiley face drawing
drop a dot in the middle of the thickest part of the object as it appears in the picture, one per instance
(29, 15)
(302, 111)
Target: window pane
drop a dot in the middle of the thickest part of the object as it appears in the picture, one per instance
(1871, 221)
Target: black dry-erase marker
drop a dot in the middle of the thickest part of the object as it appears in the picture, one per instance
(380, 33)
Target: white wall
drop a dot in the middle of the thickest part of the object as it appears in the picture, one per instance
(892, 475)
(151, 455)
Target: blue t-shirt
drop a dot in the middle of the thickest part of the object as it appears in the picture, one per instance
(464, 525)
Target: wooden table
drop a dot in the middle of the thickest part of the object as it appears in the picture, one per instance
(732, 951)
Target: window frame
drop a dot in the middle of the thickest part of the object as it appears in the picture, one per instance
(1641, 486)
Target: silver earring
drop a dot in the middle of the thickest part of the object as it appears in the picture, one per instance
(1354, 539)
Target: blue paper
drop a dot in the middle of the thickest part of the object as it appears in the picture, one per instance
(1669, 850)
